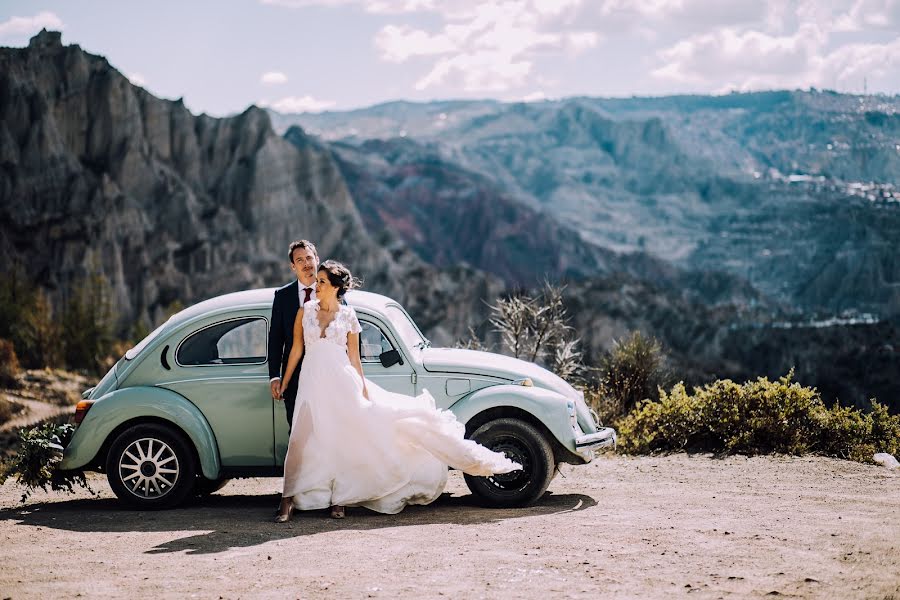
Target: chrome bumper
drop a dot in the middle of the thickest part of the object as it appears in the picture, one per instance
(602, 438)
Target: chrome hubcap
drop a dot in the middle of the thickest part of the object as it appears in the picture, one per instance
(149, 468)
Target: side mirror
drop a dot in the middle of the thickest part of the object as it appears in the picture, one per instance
(390, 358)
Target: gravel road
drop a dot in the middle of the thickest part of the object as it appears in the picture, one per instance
(647, 527)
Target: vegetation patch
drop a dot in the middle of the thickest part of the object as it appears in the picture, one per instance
(757, 417)
(8, 410)
(35, 464)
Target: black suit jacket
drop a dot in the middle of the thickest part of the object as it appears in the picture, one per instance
(281, 339)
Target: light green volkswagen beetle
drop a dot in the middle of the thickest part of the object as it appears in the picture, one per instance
(189, 407)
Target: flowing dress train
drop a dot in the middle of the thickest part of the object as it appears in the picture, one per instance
(382, 453)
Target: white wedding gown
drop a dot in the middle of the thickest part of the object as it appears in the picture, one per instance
(382, 453)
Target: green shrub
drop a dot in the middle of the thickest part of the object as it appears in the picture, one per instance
(39, 453)
(757, 417)
(631, 372)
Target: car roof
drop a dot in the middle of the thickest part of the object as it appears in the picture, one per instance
(262, 298)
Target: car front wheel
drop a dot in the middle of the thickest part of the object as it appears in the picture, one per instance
(151, 466)
(524, 444)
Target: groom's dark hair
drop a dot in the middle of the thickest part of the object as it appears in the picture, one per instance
(301, 244)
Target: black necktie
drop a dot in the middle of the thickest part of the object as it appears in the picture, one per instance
(308, 292)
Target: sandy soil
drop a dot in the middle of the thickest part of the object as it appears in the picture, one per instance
(648, 527)
(43, 394)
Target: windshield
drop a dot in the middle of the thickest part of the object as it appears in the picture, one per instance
(133, 352)
(405, 327)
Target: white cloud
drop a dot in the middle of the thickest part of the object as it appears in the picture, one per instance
(534, 96)
(869, 14)
(486, 46)
(728, 53)
(582, 40)
(19, 26)
(505, 47)
(847, 66)
(679, 17)
(729, 59)
(371, 6)
(297, 104)
(400, 6)
(273, 78)
(477, 72)
(137, 79)
(307, 3)
(399, 43)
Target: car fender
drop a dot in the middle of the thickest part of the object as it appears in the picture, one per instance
(135, 403)
(544, 405)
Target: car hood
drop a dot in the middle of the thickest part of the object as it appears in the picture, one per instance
(474, 362)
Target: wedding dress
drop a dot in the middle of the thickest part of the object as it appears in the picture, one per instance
(382, 453)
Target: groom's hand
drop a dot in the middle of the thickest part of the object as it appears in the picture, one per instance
(275, 386)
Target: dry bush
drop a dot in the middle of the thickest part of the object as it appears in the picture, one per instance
(9, 365)
(87, 325)
(472, 342)
(9, 409)
(536, 329)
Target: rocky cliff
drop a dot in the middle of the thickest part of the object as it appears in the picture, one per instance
(97, 175)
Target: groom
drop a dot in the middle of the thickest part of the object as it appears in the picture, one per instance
(288, 300)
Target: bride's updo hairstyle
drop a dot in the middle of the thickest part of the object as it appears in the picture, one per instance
(339, 276)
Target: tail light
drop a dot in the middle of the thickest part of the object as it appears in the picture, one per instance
(81, 410)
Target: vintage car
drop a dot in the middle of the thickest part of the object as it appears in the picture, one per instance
(189, 407)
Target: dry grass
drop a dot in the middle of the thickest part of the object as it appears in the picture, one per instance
(53, 386)
(9, 409)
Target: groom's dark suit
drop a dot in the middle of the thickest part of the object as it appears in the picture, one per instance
(281, 340)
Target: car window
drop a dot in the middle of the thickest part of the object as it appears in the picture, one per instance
(372, 342)
(239, 341)
(404, 326)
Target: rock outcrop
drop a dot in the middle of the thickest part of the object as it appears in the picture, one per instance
(100, 176)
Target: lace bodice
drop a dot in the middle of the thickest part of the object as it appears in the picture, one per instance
(344, 322)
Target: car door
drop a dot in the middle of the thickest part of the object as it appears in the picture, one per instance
(373, 342)
(221, 368)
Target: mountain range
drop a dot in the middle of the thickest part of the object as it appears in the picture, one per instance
(794, 192)
(750, 233)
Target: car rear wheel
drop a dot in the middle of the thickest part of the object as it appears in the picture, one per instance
(524, 444)
(151, 466)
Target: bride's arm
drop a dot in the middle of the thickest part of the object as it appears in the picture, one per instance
(296, 351)
(353, 353)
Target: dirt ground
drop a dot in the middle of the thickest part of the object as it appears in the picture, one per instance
(648, 527)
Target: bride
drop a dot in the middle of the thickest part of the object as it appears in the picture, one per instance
(353, 443)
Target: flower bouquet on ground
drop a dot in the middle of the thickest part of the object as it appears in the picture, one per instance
(36, 462)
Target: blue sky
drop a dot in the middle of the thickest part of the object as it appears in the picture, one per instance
(297, 55)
